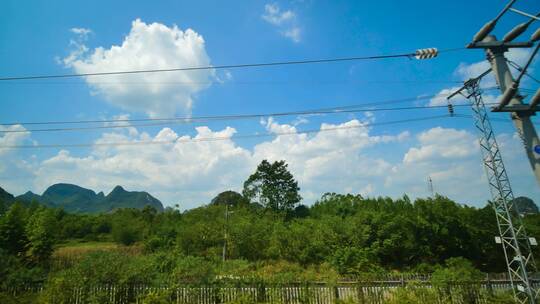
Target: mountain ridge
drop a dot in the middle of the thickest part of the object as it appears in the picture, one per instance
(77, 199)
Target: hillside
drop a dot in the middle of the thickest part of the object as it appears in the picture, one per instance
(525, 205)
(5, 196)
(76, 199)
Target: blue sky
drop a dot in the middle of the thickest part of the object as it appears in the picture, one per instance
(56, 37)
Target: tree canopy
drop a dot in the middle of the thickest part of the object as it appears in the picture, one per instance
(273, 186)
(231, 198)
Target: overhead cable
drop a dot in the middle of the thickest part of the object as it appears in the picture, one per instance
(230, 66)
(219, 138)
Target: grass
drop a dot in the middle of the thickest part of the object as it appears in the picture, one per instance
(77, 247)
(68, 253)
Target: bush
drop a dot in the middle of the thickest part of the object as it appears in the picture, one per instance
(456, 270)
(350, 260)
(6, 298)
(155, 297)
(501, 297)
(413, 295)
(193, 269)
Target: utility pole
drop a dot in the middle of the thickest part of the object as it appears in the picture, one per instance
(520, 113)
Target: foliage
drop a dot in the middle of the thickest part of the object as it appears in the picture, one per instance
(127, 228)
(272, 186)
(230, 198)
(413, 295)
(12, 230)
(501, 297)
(193, 269)
(339, 237)
(352, 261)
(40, 231)
(457, 270)
(25, 298)
(525, 205)
(155, 297)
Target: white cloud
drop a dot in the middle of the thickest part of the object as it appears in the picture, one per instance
(466, 71)
(293, 33)
(191, 169)
(187, 172)
(286, 21)
(12, 135)
(147, 47)
(451, 157)
(441, 143)
(440, 98)
(193, 172)
(274, 15)
(14, 168)
(328, 161)
(81, 31)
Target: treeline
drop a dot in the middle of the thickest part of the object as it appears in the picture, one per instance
(339, 236)
(269, 235)
(349, 232)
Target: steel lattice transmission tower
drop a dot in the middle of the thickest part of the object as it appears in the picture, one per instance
(514, 239)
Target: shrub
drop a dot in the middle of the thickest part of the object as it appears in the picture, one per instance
(126, 235)
(193, 269)
(155, 297)
(456, 270)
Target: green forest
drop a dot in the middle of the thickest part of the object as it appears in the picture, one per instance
(263, 234)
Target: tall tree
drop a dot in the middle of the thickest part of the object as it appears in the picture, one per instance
(40, 230)
(230, 198)
(12, 234)
(273, 186)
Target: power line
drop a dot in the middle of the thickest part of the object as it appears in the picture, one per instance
(491, 118)
(220, 117)
(218, 138)
(188, 119)
(274, 82)
(231, 66)
(233, 117)
(520, 69)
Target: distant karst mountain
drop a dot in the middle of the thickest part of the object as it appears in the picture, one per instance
(525, 205)
(5, 196)
(73, 198)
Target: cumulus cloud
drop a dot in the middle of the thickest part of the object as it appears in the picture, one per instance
(285, 21)
(14, 168)
(146, 47)
(329, 161)
(438, 144)
(81, 31)
(466, 71)
(449, 156)
(184, 170)
(274, 15)
(440, 98)
(191, 169)
(293, 33)
(12, 135)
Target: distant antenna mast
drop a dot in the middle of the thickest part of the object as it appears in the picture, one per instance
(430, 186)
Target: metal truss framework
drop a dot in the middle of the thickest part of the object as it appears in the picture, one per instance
(514, 240)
